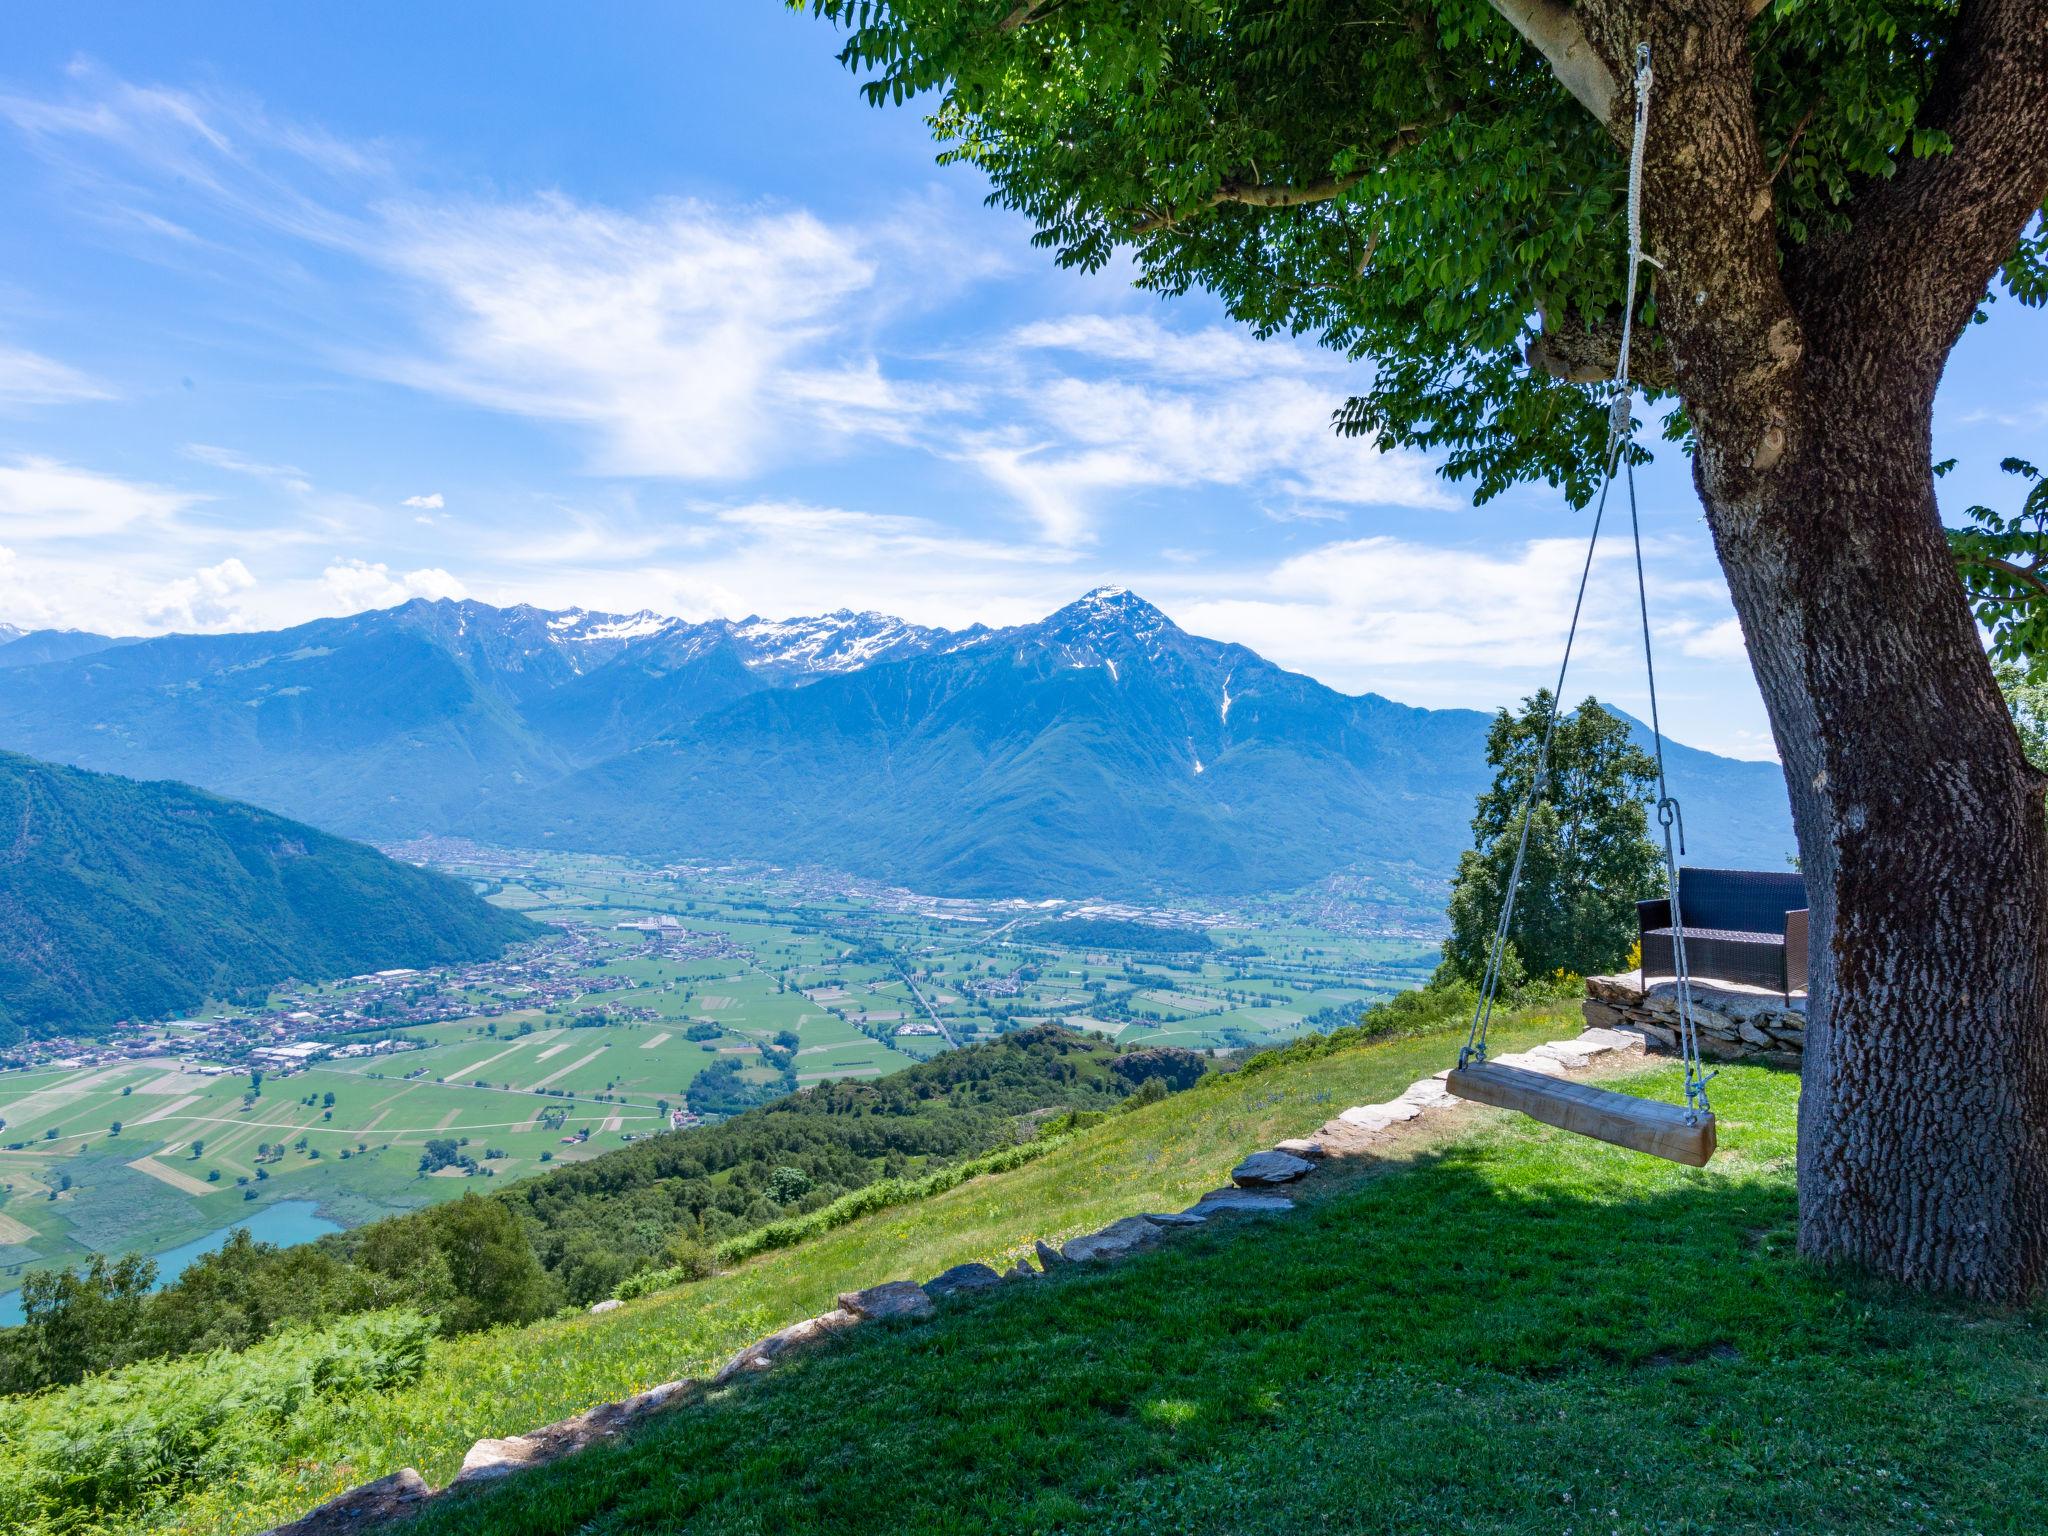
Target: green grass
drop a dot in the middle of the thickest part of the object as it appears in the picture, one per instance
(1158, 1158)
(1522, 1332)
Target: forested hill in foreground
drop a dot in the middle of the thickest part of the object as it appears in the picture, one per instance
(126, 900)
(674, 1198)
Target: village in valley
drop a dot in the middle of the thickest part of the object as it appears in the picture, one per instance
(653, 998)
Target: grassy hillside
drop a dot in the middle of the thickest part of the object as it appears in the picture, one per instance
(1519, 1331)
(592, 1224)
(1525, 1332)
(1157, 1158)
(121, 900)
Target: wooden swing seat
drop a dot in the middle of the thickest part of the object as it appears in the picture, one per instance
(1642, 1125)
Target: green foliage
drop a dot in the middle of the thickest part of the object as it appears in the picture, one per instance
(1589, 860)
(468, 1260)
(101, 1316)
(720, 1090)
(75, 1322)
(1453, 192)
(134, 901)
(2026, 697)
(2003, 561)
(1114, 933)
(115, 1446)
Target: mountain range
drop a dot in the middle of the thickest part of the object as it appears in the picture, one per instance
(31, 647)
(123, 900)
(1101, 750)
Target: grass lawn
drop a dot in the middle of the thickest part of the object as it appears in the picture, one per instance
(1159, 1158)
(1519, 1331)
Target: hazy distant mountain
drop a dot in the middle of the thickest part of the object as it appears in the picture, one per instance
(387, 723)
(32, 647)
(1103, 749)
(124, 900)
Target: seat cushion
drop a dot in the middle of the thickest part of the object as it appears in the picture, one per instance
(1723, 935)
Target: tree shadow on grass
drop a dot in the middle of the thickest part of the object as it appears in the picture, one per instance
(1521, 1331)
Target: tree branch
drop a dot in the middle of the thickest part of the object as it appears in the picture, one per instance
(1026, 11)
(1902, 282)
(1254, 196)
(1581, 354)
(1553, 31)
(2025, 575)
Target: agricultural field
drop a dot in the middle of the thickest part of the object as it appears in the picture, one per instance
(767, 981)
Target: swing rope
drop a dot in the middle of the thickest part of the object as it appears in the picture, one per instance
(1620, 433)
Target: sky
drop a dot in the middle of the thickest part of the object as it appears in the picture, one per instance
(315, 308)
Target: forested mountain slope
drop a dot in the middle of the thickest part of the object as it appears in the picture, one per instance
(124, 900)
(1102, 750)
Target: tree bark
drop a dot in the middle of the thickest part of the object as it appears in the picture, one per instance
(1923, 1135)
(1923, 1122)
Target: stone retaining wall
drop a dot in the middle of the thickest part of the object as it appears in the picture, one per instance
(1732, 1021)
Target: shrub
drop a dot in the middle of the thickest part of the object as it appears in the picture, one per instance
(123, 1442)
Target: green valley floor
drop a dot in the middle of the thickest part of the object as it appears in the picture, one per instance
(1507, 1329)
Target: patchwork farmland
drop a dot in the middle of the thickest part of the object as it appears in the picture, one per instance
(765, 983)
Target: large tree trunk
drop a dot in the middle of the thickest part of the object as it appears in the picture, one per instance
(1809, 375)
(1923, 1124)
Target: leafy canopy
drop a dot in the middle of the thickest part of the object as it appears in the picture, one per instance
(2004, 566)
(1404, 180)
(1590, 858)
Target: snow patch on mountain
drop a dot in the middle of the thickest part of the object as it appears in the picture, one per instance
(634, 626)
(823, 644)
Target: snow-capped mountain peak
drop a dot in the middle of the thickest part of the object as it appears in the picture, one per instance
(840, 641)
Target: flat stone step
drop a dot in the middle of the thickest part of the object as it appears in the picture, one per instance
(1268, 1170)
(1240, 1201)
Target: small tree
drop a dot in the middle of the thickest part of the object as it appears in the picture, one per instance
(1590, 858)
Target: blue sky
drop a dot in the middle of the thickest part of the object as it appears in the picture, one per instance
(308, 309)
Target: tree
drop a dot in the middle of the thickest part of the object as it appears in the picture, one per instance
(1831, 190)
(1589, 860)
(76, 1321)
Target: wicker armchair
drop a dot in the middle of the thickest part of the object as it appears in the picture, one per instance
(1741, 925)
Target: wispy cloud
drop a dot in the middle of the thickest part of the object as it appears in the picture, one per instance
(431, 502)
(29, 378)
(292, 479)
(43, 499)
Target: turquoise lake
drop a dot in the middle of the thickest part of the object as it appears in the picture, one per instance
(286, 1223)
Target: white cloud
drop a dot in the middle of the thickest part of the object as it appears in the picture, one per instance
(285, 475)
(43, 499)
(688, 340)
(1711, 642)
(28, 378)
(204, 600)
(1083, 440)
(360, 584)
(1141, 342)
(431, 502)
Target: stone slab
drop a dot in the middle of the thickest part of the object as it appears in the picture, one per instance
(1268, 1170)
(897, 1298)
